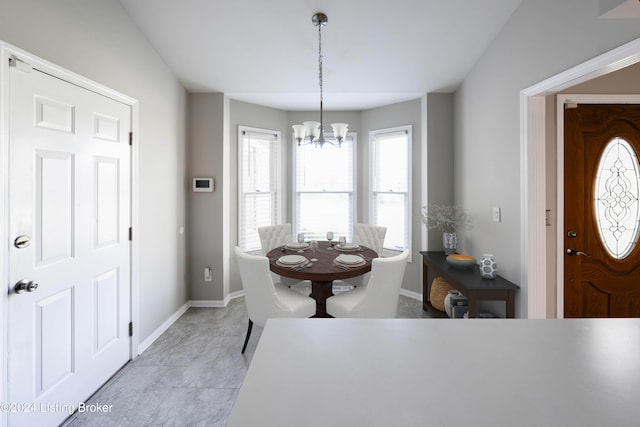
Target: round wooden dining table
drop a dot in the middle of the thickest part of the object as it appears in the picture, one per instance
(322, 272)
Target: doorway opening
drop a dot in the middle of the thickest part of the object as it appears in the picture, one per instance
(541, 254)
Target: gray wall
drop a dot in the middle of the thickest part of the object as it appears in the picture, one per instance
(205, 154)
(96, 39)
(210, 217)
(440, 172)
(206, 211)
(542, 39)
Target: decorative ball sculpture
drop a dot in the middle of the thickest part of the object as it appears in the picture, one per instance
(488, 267)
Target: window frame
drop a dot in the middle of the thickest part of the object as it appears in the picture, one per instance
(353, 136)
(276, 181)
(373, 135)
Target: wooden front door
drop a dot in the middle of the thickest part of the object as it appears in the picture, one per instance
(602, 211)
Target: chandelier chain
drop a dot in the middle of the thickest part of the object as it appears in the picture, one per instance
(321, 137)
(320, 58)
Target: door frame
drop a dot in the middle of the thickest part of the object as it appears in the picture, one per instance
(7, 52)
(536, 260)
(561, 99)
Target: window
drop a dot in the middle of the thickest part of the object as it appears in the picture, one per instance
(259, 195)
(324, 185)
(617, 194)
(390, 198)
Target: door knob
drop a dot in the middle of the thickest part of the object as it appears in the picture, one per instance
(22, 241)
(25, 286)
(573, 252)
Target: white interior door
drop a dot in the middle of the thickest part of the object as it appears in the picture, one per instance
(69, 196)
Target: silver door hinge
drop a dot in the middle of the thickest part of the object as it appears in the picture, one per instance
(130, 234)
(568, 105)
(130, 329)
(130, 138)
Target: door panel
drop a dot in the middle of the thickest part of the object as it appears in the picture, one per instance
(106, 309)
(601, 211)
(53, 114)
(54, 340)
(69, 190)
(107, 199)
(54, 206)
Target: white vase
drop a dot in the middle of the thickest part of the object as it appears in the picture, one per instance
(488, 267)
(450, 242)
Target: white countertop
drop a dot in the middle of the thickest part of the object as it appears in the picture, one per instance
(443, 372)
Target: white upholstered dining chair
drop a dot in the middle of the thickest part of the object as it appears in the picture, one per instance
(371, 236)
(273, 236)
(379, 297)
(266, 299)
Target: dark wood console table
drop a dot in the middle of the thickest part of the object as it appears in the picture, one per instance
(468, 281)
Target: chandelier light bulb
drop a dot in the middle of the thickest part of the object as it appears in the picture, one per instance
(299, 132)
(340, 131)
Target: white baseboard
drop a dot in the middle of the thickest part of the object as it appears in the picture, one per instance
(411, 294)
(216, 303)
(236, 294)
(165, 325)
(175, 316)
(210, 303)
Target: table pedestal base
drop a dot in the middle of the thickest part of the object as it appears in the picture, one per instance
(320, 291)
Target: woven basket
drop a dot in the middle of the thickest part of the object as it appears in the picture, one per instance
(439, 290)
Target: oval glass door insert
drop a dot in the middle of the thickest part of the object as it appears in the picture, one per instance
(617, 189)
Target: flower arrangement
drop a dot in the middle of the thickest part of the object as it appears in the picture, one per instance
(447, 219)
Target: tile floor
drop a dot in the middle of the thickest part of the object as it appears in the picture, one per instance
(191, 375)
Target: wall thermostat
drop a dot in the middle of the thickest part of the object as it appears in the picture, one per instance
(202, 185)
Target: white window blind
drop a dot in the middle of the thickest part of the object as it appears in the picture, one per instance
(258, 184)
(391, 185)
(324, 189)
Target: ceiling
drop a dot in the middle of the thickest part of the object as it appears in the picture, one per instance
(623, 9)
(374, 53)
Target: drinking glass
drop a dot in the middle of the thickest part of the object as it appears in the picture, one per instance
(342, 241)
(314, 248)
(330, 238)
(300, 238)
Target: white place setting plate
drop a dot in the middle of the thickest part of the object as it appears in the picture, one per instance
(348, 247)
(291, 259)
(349, 260)
(294, 266)
(296, 245)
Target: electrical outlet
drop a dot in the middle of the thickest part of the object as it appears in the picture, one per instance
(496, 215)
(208, 276)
